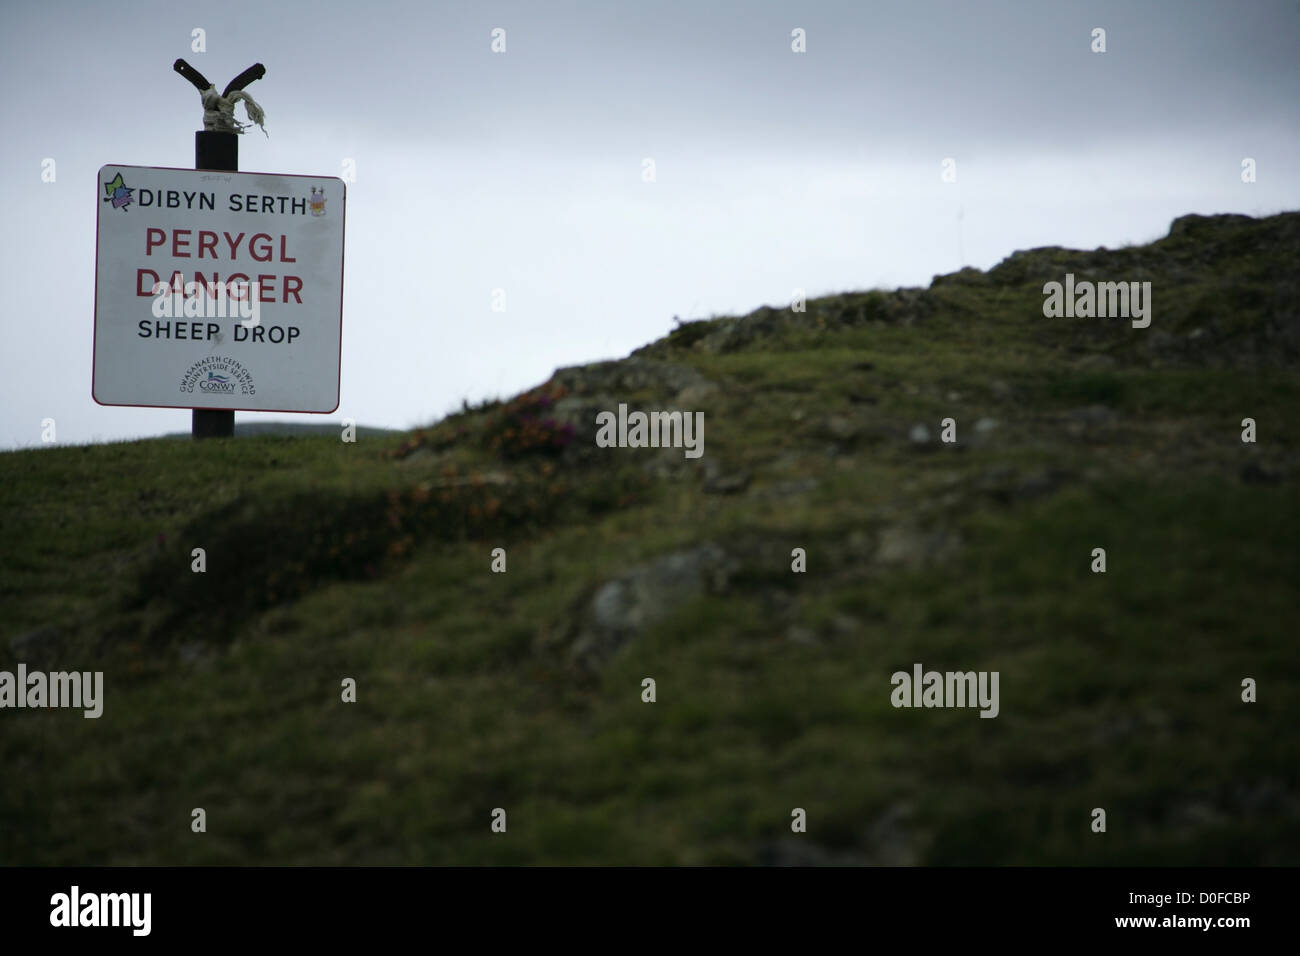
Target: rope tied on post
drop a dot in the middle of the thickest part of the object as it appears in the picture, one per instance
(219, 112)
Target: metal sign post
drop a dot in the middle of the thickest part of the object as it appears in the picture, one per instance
(215, 148)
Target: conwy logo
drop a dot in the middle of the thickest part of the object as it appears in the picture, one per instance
(217, 375)
(217, 383)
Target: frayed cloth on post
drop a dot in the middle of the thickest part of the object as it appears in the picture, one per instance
(219, 111)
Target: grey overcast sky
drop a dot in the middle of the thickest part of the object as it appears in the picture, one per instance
(522, 170)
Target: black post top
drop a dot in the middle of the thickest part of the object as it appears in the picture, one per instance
(194, 76)
(254, 72)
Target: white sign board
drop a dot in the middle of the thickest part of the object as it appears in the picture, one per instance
(218, 290)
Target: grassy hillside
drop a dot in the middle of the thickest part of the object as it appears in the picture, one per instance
(522, 690)
(245, 428)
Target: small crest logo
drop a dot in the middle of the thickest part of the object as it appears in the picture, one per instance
(118, 193)
(217, 375)
(317, 201)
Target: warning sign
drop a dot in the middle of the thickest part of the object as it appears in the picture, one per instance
(218, 290)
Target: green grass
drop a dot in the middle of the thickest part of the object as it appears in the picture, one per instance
(329, 560)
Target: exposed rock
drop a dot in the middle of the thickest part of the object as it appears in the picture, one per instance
(727, 483)
(690, 397)
(850, 310)
(1197, 226)
(623, 607)
(730, 334)
(903, 545)
(855, 309)
(968, 275)
(602, 386)
(841, 428)
(1001, 389)
(632, 375)
(799, 634)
